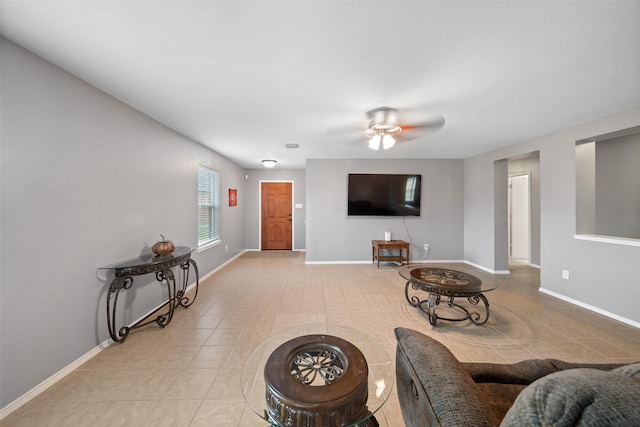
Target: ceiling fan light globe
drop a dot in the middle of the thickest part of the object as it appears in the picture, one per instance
(374, 142)
(387, 142)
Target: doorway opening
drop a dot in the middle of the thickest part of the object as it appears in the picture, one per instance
(522, 222)
(519, 232)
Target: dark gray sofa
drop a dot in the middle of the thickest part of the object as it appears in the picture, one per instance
(435, 389)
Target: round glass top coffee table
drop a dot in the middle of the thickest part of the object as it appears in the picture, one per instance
(318, 375)
(448, 283)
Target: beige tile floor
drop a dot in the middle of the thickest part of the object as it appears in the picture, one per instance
(188, 374)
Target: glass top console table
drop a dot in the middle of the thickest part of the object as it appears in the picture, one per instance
(161, 266)
(313, 375)
(450, 284)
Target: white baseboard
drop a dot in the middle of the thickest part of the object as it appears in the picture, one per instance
(591, 308)
(189, 287)
(338, 262)
(535, 266)
(218, 268)
(488, 270)
(31, 394)
(436, 261)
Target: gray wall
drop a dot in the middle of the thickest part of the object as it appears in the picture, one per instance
(333, 236)
(600, 272)
(586, 188)
(501, 215)
(86, 181)
(617, 193)
(479, 218)
(252, 201)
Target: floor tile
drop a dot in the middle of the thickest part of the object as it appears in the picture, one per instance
(188, 373)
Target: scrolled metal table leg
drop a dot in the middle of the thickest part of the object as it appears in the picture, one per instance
(168, 277)
(181, 298)
(413, 300)
(117, 284)
(432, 303)
(475, 316)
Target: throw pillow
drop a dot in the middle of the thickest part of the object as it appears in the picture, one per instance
(578, 397)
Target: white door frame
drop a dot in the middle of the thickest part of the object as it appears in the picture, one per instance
(293, 211)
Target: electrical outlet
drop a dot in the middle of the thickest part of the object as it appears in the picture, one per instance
(226, 248)
(426, 246)
(565, 274)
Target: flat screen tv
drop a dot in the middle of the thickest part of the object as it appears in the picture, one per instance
(384, 194)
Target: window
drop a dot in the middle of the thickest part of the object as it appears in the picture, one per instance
(410, 190)
(208, 207)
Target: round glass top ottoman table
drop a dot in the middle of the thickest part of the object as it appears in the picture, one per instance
(449, 284)
(318, 375)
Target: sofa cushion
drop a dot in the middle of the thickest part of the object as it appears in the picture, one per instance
(578, 397)
(498, 397)
(629, 370)
(527, 371)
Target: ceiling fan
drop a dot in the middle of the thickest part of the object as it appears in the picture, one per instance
(384, 127)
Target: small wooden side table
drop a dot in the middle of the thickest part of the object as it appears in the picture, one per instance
(400, 245)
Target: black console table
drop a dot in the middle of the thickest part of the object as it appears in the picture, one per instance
(161, 266)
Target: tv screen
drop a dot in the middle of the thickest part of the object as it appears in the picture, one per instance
(384, 194)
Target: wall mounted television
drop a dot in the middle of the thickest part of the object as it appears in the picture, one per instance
(384, 194)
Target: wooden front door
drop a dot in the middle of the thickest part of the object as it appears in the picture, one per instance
(276, 213)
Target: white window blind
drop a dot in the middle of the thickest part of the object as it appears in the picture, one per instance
(208, 206)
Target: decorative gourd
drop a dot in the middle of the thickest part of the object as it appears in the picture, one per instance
(162, 248)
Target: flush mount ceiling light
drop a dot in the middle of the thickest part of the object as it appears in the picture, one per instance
(269, 163)
(382, 127)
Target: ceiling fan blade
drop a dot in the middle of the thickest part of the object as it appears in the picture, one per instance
(420, 129)
(387, 120)
(408, 136)
(435, 122)
(345, 130)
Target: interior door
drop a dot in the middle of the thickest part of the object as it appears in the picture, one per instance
(276, 214)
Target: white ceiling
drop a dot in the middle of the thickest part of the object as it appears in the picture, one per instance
(246, 78)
